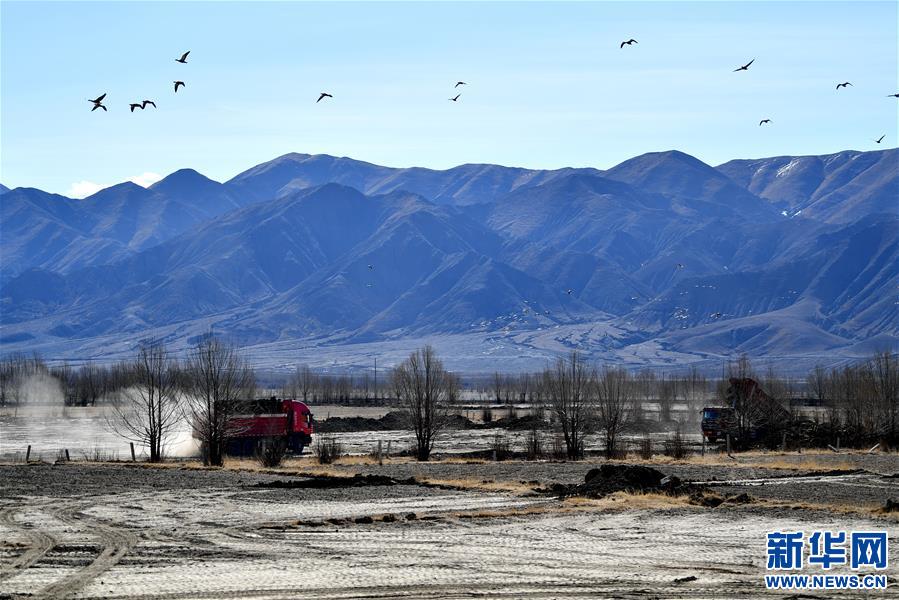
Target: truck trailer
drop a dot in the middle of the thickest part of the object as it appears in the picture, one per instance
(266, 421)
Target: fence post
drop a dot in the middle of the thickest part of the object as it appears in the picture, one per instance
(728, 444)
(783, 442)
(67, 455)
(28, 453)
(133, 459)
(380, 459)
(388, 448)
(838, 442)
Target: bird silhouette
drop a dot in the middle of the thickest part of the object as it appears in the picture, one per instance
(763, 121)
(177, 83)
(893, 96)
(323, 95)
(456, 98)
(679, 266)
(844, 84)
(716, 315)
(371, 267)
(745, 67)
(133, 106)
(628, 43)
(458, 83)
(183, 59)
(880, 139)
(569, 291)
(98, 103)
(146, 102)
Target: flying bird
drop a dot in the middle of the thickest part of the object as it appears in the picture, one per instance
(146, 102)
(133, 106)
(569, 291)
(763, 121)
(745, 67)
(877, 141)
(183, 59)
(893, 96)
(628, 43)
(458, 83)
(679, 266)
(844, 84)
(371, 267)
(716, 315)
(456, 98)
(323, 95)
(177, 83)
(98, 103)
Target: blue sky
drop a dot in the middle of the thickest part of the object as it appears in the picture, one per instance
(548, 84)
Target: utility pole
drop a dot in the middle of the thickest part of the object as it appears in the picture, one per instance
(376, 378)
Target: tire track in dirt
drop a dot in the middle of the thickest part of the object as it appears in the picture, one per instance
(39, 543)
(116, 543)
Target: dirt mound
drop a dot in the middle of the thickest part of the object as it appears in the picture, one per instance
(331, 482)
(517, 423)
(397, 419)
(609, 479)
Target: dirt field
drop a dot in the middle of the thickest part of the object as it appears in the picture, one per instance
(130, 531)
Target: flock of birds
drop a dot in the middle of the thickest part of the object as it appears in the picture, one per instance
(98, 101)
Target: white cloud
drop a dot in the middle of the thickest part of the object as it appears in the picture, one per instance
(83, 189)
(146, 179)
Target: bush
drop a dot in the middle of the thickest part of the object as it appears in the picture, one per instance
(500, 447)
(328, 449)
(534, 446)
(270, 453)
(618, 451)
(646, 447)
(675, 447)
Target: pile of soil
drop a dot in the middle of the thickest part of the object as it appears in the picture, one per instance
(397, 419)
(321, 482)
(524, 423)
(394, 420)
(609, 479)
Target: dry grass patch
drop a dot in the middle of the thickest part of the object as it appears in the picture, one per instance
(483, 485)
(630, 501)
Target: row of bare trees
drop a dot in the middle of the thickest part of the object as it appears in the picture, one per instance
(322, 388)
(862, 399)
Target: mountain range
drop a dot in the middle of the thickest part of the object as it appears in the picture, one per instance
(660, 260)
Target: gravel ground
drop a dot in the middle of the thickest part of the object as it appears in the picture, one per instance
(134, 532)
(869, 488)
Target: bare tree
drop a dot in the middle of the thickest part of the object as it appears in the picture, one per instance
(150, 411)
(301, 384)
(883, 371)
(644, 391)
(216, 379)
(569, 390)
(667, 391)
(695, 386)
(426, 389)
(615, 389)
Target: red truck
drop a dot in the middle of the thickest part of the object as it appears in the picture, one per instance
(286, 422)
